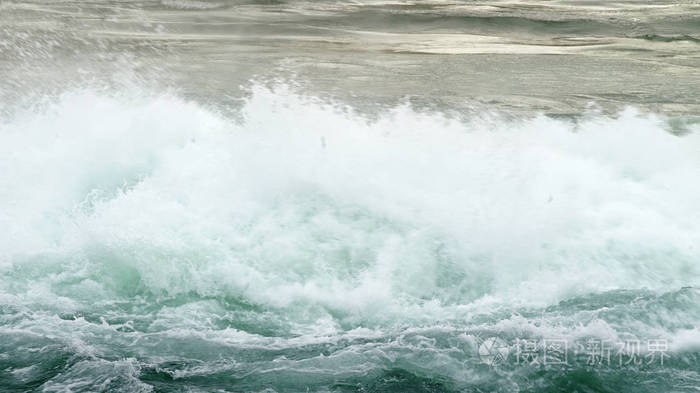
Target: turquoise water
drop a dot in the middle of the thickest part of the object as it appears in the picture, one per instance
(151, 244)
(349, 196)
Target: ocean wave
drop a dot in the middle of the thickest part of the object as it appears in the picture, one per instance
(148, 239)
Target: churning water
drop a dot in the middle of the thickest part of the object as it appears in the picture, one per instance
(174, 220)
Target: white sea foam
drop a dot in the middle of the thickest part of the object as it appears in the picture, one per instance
(305, 206)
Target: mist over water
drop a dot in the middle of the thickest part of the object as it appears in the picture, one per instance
(206, 196)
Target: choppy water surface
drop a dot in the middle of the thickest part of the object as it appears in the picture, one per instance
(429, 196)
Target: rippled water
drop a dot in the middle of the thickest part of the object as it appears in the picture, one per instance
(211, 196)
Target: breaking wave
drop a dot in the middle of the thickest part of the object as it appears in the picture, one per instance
(149, 240)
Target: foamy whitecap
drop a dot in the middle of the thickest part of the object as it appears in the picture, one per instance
(314, 227)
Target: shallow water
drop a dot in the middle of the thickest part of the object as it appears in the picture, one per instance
(209, 196)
